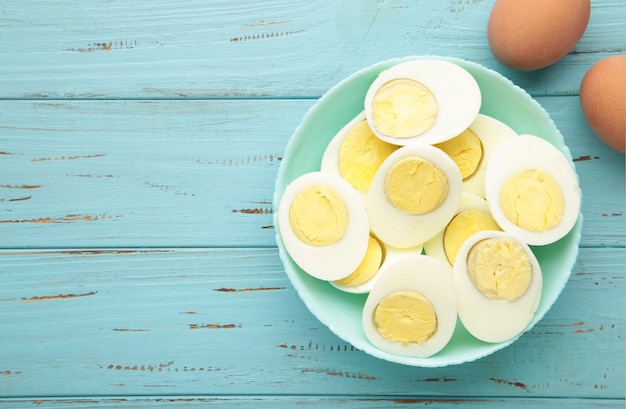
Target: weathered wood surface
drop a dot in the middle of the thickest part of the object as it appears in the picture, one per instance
(139, 143)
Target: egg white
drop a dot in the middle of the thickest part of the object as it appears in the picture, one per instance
(435, 246)
(426, 276)
(532, 152)
(335, 261)
(402, 230)
(390, 255)
(494, 320)
(491, 132)
(455, 89)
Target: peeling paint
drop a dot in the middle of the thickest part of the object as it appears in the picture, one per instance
(19, 199)
(581, 331)
(444, 379)
(150, 368)
(584, 158)
(257, 210)
(130, 330)
(265, 36)
(20, 186)
(512, 383)
(247, 290)
(74, 157)
(57, 297)
(576, 324)
(271, 23)
(213, 326)
(90, 176)
(109, 46)
(340, 373)
(285, 346)
(70, 218)
(244, 160)
(7, 373)
(86, 252)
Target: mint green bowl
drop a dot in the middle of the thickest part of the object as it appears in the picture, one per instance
(340, 311)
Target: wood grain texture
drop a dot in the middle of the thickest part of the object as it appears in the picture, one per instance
(178, 402)
(161, 173)
(139, 145)
(200, 49)
(181, 322)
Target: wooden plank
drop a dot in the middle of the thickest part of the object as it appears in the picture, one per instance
(176, 402)
(198, 49)
(227, 322)
(197, 173)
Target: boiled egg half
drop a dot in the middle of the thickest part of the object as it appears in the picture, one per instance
(411, 310)
(532, 190)
(425, 100)
(498, 283)
(413, 195)
(323, 224)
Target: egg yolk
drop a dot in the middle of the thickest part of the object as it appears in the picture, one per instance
(532, 200)
(360, 155)
(403, 108)
(499, 268)
(416, 186)
(466, 151)
(369, 265)
(318, 216)
(405, 317)
(462, 226)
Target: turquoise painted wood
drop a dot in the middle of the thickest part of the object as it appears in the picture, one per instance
(161, 173)
(139, 144)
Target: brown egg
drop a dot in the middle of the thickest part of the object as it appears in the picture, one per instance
(603, 100)
(531, 34)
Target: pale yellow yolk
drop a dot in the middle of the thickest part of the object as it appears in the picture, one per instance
(466, 151)
(368, 267)
(405, 317)
(499, 268)
(318, 216)
(532, 200)
(361, 154)
(462, 226)
(416, 186)
(403, 108)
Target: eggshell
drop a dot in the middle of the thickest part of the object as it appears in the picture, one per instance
(603, 100)
(531, 34)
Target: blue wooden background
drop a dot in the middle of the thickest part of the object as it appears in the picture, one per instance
(139, 144)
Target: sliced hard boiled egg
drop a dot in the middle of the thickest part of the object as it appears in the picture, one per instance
(376, 259)
(411, 310)
(532, 190)
(425, 100)
(472, 216)
(413, 195)
(323, 224)
(472, 149)
(355, 154)
(498, 283)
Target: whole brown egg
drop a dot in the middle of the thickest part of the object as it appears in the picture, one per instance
(603, 100)
(530, 34)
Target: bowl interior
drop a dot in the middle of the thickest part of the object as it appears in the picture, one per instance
(340, 311)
